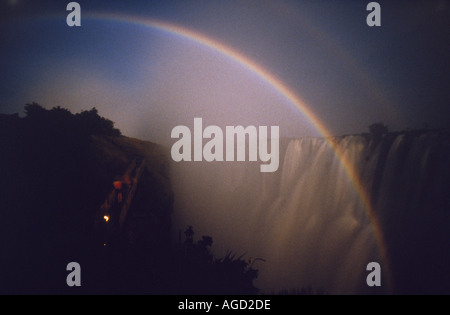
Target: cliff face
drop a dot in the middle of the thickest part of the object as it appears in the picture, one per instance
(308, 219)
(151, 207)
(54, 179)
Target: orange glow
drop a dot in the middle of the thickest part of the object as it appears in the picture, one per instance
(106, 218)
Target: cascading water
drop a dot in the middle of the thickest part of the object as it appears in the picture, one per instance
(307, 220)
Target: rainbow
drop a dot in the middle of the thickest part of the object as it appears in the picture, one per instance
(279, 86)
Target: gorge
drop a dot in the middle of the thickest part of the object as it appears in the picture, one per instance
(311, 225)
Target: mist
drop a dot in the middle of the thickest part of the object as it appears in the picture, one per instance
(308, 221)
(305, 220)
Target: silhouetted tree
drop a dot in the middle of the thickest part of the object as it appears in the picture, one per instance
(189, 233)
(235, 275)
(87, 122)
(206, 274)
(34, 111)
(95, 124)
(378, 130)
(203, 248)
(205, 242)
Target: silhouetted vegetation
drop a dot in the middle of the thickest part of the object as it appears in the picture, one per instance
(51, 184)
(57, 168)
(87, 122)
(377, 130)
(202, 273)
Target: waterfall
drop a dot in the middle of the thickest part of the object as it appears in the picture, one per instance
(308, 221)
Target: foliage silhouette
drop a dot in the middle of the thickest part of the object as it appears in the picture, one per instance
(87, 122)
(203, 273)
(377, 130)
(54, 180)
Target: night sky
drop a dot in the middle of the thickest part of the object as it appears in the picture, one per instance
(148, 81)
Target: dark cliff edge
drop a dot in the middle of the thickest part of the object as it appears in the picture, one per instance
(54, 178)
(57, 170)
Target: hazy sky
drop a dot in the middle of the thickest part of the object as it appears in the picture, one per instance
(148, 81)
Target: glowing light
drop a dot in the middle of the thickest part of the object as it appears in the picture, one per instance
(106, 218)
